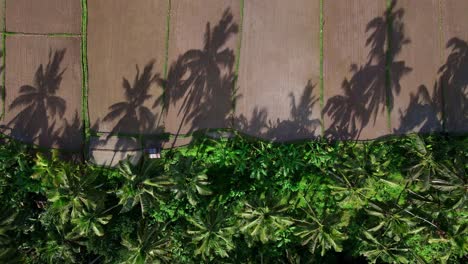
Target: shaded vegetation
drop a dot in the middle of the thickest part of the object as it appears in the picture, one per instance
(400, 200)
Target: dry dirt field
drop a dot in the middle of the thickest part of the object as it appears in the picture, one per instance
(277, 70)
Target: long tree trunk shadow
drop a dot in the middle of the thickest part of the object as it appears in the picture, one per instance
(200, 82)
(365, 96)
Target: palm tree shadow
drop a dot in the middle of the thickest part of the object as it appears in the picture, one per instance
(40, 106)
(421, 113)
(453, 83)
(132, 116)
(449, 95)
(71, 134)
(200, 82)
(365, 96)
(300, 124)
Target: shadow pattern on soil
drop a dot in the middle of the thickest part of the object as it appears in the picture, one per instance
(200, 83)
(365, 94)
(299, 125)
(40, 119)
(133, 116)
(200, 86)
(454, 81)
(447, 104)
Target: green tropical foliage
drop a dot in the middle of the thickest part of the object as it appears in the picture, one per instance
(212, 234)
(143, 185)
(7, 249)
(264, 217)
(70, 189)
(237, 200)
(320, 232)
(152, 245)
(189, 177)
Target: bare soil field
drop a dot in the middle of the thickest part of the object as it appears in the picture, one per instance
(43, 91)
(126, 60)
(203, 46)
(110, 151)
(414, 69)
(354, 69)
(454, 70)
(44, 16)
(278, 88)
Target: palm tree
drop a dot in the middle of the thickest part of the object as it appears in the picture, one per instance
(386, 250)
(424, 166)
(144, 184)
(70, 188)
(189, 178)
(152, 245)
(452, 182)
(206, 81)
(59, 247)
(8, 252)
(90, 221)
(390, 220)
(212, 233)
(320, 232)
(132, 113)
(351, 192)
(263, 217)
(39, 102)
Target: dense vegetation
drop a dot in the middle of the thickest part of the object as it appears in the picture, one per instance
(399, 200)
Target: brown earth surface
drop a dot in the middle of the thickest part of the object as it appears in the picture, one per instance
(278, 88)
(415, 42)
(2, 15)
(126, 51)
(175, 142)
(44, 16)
(43, 91)
(132, 55)
(203, 43)
(109, 151)
(454, 70)
(354, 69)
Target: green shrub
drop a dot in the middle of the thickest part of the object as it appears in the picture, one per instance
(398, 200)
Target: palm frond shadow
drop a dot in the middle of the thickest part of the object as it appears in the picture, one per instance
(421, 112)
(299, 125)
(425, 108)
(454, 81)
(132, 116)
(365, 95)
(40, 119)
(200, 82)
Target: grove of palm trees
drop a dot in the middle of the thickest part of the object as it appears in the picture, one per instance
(400, 200)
